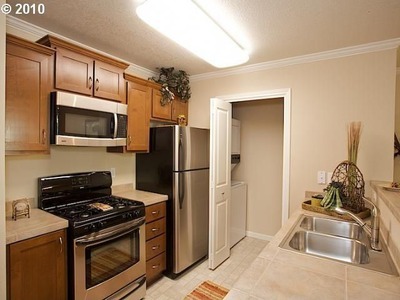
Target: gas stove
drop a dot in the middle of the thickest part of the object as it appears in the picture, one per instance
(85, 200)
(106, 235)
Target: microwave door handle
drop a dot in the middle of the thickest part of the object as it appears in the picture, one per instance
(115, 126)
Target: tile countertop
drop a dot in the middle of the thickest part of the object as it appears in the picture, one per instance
(127, 191)
(42, 222)
(391, 198)
(282, 274)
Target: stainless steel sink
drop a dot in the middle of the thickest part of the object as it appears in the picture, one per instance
(339, 248)
(332, 227)
(338, 240)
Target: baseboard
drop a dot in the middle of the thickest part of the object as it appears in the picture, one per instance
(259, 236)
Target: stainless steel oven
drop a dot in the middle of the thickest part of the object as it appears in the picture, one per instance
(106, 236)
(107, 260)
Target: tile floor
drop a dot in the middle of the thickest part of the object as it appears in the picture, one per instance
(242, 255)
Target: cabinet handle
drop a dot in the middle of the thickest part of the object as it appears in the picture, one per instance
(90, 82)
(97, 84)
(44, 136)
(155, 266)
(129, 140)
(61, 244)
(156, 212)
(155, 229)
(155, 247)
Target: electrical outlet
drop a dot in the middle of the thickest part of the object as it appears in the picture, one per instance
(112, 172)
(321, 179)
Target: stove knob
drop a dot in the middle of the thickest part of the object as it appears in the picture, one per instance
(130, 215)
(100, 224)
(92, 227)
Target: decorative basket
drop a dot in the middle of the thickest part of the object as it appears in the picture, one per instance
(352, 180)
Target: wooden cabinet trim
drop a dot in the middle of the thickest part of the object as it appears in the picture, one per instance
(55, 42)
(12, 39)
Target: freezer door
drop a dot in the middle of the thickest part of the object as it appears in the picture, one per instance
(191, 148)
(190, 220)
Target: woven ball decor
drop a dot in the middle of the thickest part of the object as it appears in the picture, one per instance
(352, 182)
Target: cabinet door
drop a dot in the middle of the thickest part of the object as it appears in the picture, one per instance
(139, 98)
(179, 108)
(28, 81)
(37, 268)
(160, 111)
(109, 82)
(74, 72)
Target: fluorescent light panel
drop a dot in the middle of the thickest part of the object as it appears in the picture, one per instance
(188, 25)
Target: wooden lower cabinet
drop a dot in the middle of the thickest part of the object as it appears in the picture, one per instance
(36, 268)
(155, 241)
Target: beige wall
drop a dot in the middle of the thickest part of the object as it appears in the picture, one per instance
(325, 95)
(396, 175)
(22, 171)
(261, 163)
(2, 185)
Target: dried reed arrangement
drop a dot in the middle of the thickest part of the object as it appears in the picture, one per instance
(353, 140)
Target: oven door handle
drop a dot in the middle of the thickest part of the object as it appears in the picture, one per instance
(111, 235)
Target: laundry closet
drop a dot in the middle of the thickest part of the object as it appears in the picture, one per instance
(257, 168)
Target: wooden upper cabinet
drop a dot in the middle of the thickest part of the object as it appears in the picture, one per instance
(159, 111)
(29, 69)
(179, 108)
(139, 104)
(87, 72)
(74, 72)
(109, 82)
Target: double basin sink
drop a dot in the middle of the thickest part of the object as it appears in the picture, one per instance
(337, 240)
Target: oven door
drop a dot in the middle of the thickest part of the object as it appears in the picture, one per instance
(109, 261)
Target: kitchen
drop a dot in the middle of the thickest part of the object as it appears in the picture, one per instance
(327, 93)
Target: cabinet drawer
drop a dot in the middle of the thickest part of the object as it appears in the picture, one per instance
(154, 267)
(155, 246)
(155, 228)
(154, 212)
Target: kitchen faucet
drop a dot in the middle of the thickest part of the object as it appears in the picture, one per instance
(373, 230)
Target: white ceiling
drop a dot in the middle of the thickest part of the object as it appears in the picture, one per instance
(270, 29)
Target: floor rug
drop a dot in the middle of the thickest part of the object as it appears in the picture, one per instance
(208, 290)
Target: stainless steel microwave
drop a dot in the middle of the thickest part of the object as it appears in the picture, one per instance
(77, 120)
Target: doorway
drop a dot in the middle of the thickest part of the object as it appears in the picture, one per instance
(260, 167)
(220, 130)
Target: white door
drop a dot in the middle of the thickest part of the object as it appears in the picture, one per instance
(220, 181)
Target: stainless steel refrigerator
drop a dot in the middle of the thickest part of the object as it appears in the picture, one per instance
(178, 165)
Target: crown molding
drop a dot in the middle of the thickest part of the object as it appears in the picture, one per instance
(38, 32)
(331, 54)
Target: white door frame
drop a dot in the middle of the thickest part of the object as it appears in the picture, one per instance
(266, 95)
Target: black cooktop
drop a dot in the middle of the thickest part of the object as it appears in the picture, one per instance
(97, 207)
(85, 200)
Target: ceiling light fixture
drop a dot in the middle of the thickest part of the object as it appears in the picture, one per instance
(186, 23)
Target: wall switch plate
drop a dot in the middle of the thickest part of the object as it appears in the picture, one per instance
(321, 177)
(329, 177)
(112, 172)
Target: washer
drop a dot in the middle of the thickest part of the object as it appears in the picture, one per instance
(238, 211)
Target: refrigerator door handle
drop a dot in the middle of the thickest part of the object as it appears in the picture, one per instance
(181, 189)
